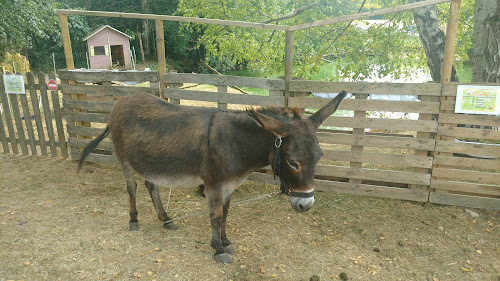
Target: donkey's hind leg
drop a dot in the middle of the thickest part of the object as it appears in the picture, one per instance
(160, 211)
(131, 189)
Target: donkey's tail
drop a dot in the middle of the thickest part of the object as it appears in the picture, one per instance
(91, 146)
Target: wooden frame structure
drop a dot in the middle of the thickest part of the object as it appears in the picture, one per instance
(448, 56)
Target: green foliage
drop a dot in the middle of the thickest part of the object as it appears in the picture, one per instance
(15, 63)
(390, 47)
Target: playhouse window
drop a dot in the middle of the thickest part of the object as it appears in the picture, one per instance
(99, 51)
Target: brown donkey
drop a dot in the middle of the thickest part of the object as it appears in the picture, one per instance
(180, 147)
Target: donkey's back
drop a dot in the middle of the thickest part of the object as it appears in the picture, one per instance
(158, 139)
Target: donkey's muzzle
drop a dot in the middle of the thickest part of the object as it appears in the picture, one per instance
(303, 202)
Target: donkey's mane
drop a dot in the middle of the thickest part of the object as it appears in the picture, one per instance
(275, 112)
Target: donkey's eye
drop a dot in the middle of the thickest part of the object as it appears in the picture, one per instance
(294, 165)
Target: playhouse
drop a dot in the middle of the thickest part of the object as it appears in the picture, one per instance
(107, 47)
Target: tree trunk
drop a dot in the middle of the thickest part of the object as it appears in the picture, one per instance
(432, 38)
(486, 55)
(146, 27)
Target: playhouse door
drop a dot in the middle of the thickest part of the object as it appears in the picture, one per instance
(117, 55)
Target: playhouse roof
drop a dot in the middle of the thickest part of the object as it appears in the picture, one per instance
(102, 28)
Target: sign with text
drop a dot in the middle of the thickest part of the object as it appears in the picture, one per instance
(478, 100)
(14, 84)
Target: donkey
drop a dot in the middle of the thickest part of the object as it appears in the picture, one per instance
(181, 146)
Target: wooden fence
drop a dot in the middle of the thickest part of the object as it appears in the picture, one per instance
(32, 122)
(432, 154)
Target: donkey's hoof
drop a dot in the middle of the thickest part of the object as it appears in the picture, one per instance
(133, 226)
(170, 226)
(222, 258)
(230, 249)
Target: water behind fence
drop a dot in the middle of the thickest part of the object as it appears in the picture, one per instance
(441, 156)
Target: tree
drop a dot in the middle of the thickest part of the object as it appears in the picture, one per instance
(390, 47)
(486, 56)
(433, 38)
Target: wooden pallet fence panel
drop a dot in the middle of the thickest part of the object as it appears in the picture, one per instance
(8, 117)
(427, 89)
(223, 97)
(229, 80)
(372, 190)
(36, 111)
(99, 76)
(369, 105)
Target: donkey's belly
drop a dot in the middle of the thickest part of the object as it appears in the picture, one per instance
(184, 181)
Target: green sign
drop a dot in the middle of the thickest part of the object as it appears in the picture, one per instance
(478, 99)
(14, 83)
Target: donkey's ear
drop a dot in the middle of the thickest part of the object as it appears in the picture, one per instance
(327, 110)
(275, 126)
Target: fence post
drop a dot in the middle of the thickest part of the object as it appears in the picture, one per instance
(36, 111)
(288, 66)
(358, 132)
(58, 116)
(160, 49)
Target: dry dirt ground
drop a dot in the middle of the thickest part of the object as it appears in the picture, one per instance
(57, 225)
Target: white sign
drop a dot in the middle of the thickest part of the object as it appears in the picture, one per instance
(478, 100)
(14, 84)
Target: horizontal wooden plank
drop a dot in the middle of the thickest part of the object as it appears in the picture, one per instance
(450, 89)
(84, 131)
(458, 118)
(224, 97)
(107, 75)
(448, 105)
(369, 105)
(106, 90)
(86, 117)
(100, 106)
(466, 175)
(461, 132)
(103, 145)
(372, 190)
(466, 162)
(177, 19)
(426, 89)
(477, 149)
(464, 200)
(377, 141)
(373, 175)
(229, 80)
(96, 158)
(466, 187)
(379, 158)
(382, 123)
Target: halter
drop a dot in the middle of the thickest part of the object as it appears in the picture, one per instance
(276, 169)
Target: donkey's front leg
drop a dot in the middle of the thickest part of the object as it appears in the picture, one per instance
(214, 195)
(228, 246)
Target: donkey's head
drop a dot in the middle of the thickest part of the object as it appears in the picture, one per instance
(297, 151)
